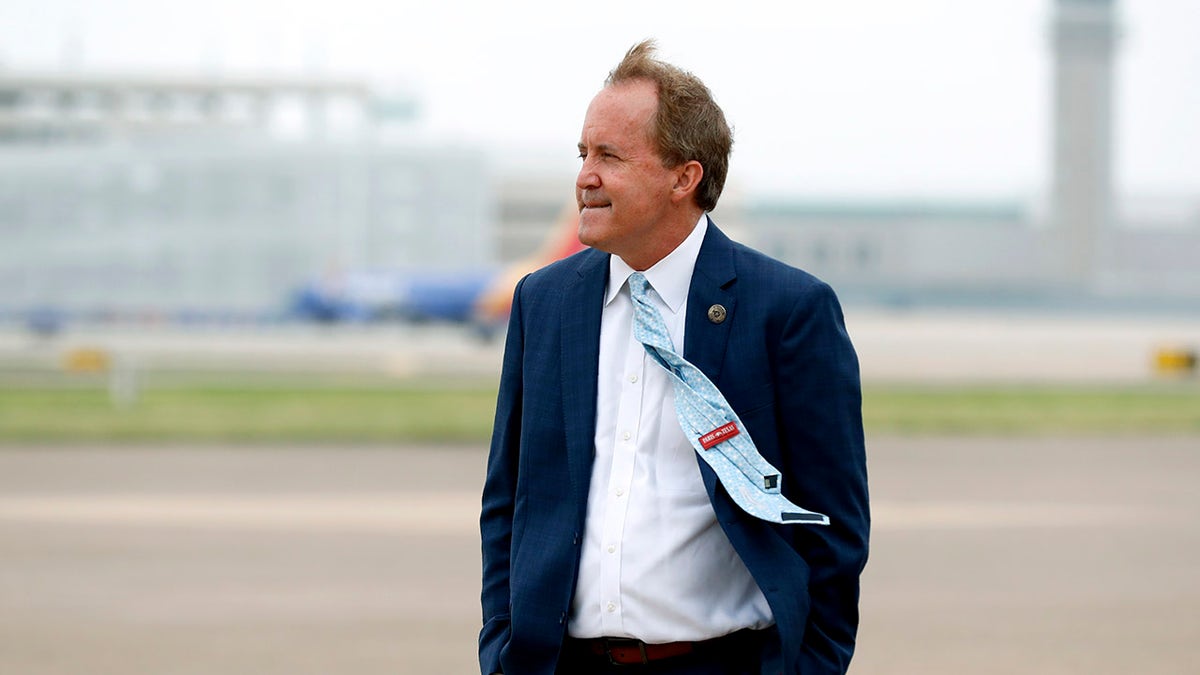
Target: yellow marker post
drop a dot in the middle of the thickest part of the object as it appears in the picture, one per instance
(87, 360)
(1175, 361)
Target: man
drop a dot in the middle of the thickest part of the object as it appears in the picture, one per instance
(613, 536)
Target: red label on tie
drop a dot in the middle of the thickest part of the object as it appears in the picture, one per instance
(721, 433)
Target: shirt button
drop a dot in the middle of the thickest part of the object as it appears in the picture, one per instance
(612, 607)
(626, 435)
(612, 549)
(620, 491)
(633, 379)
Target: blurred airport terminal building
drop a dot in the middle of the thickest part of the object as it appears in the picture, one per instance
(126, 195)
(135, 197)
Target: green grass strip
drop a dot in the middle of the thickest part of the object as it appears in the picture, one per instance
(1034, 410)
(462, 412)
(248, 415)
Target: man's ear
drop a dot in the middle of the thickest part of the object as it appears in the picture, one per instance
(687, 179)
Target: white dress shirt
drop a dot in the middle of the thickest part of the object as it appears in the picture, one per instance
(656, 565)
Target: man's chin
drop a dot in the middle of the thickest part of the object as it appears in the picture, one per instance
(598, 243)
(592, 226)
(586, 238)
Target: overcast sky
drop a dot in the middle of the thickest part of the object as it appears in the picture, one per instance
(939, 98)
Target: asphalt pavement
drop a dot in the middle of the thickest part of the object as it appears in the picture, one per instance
(998, 555)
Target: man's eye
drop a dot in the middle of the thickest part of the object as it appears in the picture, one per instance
(583, 154)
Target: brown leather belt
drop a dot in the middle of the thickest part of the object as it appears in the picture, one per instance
(628, 651)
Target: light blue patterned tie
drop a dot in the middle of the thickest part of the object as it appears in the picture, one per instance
(710, 424)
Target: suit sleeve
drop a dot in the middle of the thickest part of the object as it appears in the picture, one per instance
(821, 400)
(499, 494)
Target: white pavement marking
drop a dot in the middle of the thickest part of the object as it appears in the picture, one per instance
(457, 513)
(990, 515)
(431, 513)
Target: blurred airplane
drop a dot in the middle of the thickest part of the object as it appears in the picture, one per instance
(477, 298)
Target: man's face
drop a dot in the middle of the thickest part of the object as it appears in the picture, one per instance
(623, 189)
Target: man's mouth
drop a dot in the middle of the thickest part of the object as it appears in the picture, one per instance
(590, 201)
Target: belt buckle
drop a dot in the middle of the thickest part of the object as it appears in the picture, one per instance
(624, 643)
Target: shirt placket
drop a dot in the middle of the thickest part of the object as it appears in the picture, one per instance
(629, 414)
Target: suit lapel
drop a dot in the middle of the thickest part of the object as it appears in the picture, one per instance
(704, 341)
(583, 301)
(712, 284)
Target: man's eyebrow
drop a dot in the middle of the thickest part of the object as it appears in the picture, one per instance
(600, 147)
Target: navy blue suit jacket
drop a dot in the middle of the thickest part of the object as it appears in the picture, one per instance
(784, 362)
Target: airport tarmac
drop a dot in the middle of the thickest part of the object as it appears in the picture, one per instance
(1037, 556)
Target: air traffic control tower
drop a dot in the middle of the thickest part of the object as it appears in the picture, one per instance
(1084, 39)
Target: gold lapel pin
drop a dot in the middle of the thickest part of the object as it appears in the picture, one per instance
(716, 314)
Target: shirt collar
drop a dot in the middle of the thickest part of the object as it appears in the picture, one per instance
(670, 277)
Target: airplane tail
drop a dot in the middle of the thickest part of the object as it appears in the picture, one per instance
(561, 241)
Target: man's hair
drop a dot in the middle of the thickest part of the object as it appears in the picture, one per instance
(689, 125)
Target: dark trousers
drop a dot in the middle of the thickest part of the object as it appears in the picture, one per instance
(737, 654)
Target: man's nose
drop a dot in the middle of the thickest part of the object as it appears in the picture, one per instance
(587, 177)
